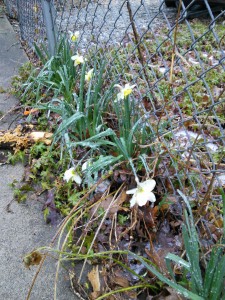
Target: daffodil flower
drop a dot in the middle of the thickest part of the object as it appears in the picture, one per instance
(89, 75)
(78, 59)
(124, 91)
(86, 165)
(74, 36)
(143, 193)
(71, 174)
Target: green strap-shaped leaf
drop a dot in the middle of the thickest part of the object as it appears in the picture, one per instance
(186, 293)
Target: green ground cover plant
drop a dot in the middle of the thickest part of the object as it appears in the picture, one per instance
(143, 230)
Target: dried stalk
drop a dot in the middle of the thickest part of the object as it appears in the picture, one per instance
(137, 43)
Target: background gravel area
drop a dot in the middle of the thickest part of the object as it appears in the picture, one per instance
(106, 22)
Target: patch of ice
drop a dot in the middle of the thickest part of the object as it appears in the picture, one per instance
(220, 180)
(192, 61)
(212, 147)
(185, 137)
(102, 187)
(162, 70)
(213, 61)
(138, 269)
(187, 134)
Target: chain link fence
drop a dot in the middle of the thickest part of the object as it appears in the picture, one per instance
(30, 17)
(177, 61)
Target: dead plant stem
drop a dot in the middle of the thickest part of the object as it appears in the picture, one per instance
(174, 43)
(97, 231)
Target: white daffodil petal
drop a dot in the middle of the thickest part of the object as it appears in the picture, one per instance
(128, 86)
(152, 197)
(133, 201)
(77, 179)
(78, 59)
(84, 166)
(133, 191)
(71, 174)
(73, 57)
(143, 193)
(118, 86)
(66, 177)
(142, 199)
(68, 174)
(120, 96)
(148, 185)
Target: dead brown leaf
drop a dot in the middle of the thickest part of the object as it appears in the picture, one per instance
(94, 295)
(158, 259)
(121, 281)
(114, 208)
(94, 279)
(150, 215)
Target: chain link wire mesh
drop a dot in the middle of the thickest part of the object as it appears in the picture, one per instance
(30, 17)
(32, 26)
(177, 63)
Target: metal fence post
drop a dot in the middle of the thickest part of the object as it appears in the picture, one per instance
(7, 6)
(47, 8)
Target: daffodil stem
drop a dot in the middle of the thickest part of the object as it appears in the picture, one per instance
(81, 99)
(119, 116)
(127, 117)
(96, 101)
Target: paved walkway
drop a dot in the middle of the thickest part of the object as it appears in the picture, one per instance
(23, 229)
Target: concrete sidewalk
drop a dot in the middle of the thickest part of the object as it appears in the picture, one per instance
(23, 229)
